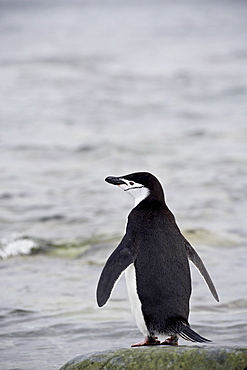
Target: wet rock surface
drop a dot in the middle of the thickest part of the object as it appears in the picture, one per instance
(182, 357)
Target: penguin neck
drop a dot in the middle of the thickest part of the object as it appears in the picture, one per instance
(147, 197)
(140, 195)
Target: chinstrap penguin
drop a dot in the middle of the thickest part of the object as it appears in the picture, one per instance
(154, 255)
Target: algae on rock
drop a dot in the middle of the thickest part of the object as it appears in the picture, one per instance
(163, 357)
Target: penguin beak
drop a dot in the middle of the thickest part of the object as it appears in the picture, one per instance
(114, 180)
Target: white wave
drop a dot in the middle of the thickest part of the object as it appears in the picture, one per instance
(16, 246)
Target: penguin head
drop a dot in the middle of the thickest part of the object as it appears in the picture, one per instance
(141, 185)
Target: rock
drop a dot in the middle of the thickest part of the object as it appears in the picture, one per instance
(163, 357)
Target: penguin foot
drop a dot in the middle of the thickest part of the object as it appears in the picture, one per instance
(148, 341)
(172, 341)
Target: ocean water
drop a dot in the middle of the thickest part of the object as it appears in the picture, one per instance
(96, 88)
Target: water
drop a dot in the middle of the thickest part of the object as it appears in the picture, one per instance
(91, 89)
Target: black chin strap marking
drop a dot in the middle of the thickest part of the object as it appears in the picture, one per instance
(135, 187)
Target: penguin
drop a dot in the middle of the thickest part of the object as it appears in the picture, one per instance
(155, 257)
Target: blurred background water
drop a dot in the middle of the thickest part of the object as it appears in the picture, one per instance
(97, 88)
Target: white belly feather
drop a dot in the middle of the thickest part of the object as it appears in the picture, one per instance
(135, 303)
(130, 273)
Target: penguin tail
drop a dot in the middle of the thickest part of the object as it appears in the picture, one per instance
(188, 334)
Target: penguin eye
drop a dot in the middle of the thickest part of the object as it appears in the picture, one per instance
(131, 183)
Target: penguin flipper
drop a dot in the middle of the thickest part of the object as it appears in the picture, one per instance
(194, 257)
(118, 261)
